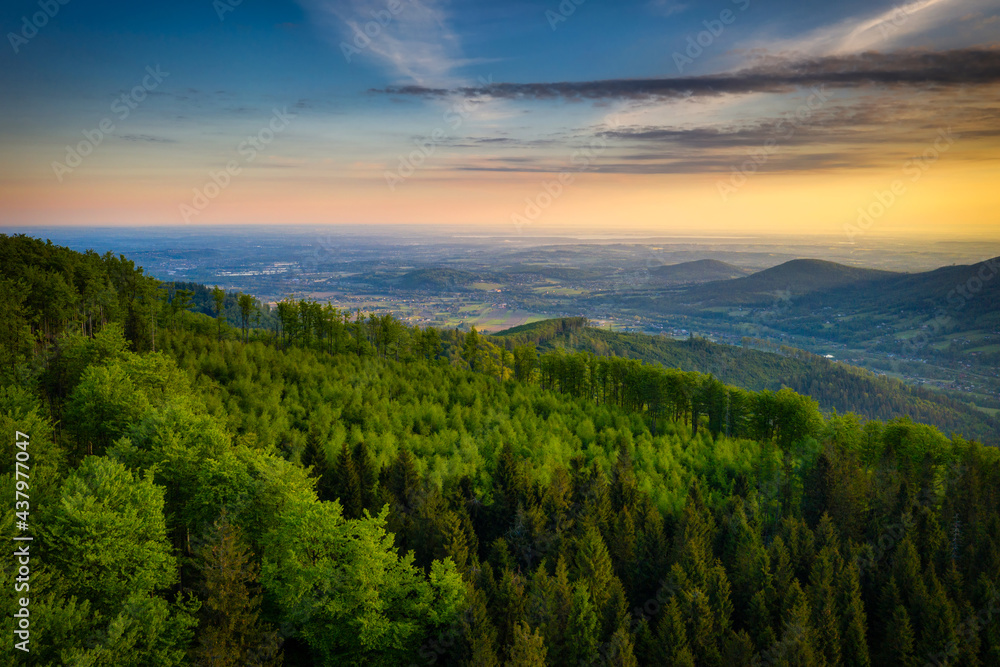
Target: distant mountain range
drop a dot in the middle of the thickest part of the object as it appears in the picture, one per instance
(794, 278)
(963, 292)
(952, 300)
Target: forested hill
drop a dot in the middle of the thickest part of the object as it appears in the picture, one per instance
(835, 386)
(795, 277)
(347, 490)
(698, 271)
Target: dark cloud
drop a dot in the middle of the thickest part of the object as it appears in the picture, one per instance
(147, 138)
(973, 66)
(648, 164)
(858, 124)
(498, 142)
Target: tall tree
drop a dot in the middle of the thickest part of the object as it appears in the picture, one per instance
(471, 348)
(232, 634)
(346, 591)
(247, 306)
(528, 649)
(347, 484)
(219, 299)
(15, 333)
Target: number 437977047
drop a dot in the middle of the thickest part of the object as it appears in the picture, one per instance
(22, 484)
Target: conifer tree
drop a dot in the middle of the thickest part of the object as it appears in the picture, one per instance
(528, 649)
(592, 562)
(509, 607)
(854, 620)
(739, 649)
(219, 300)
(557, 632)
(231, 632)
(899, 645)
(583, 631)
(718, 590)
(314, 456)
(479, 632)
(937, 615)
(456, 543)
(798, 645)
(701, 630)
(367, 476)
(619, 651)
(402, 481)
(823, 601)
(760, 623)
(671, 643)
(348, 484)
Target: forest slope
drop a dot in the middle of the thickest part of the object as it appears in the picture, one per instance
(836, 386)
(347, 490)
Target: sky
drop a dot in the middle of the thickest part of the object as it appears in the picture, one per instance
(849, 119)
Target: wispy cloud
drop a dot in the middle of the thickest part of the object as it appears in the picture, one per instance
(667, 7)
(881, 30)
(409, 37)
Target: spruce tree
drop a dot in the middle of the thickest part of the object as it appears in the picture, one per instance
(701, 629)
(854, 620)
(528, 649)
(739, 649)
(557, 632)
(619, 651)
(671, 643)
(823, 599)
(899, 645)
(231, 632)
(456, 543)
(348, 484)
(509, 607)
(367, 476)
(479, 632)
(595, 571)
(583, 630)
(798, 645)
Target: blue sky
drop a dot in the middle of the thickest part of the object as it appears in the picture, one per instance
(657, 116)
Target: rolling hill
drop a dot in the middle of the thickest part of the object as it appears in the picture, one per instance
(793, 278)
(437, 279)
(967, 293)
(698, 271)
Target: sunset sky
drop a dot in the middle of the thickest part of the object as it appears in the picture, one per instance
(520, 117)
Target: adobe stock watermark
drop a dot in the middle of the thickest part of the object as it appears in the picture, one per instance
(914, 169)
(957, 298)
(454, 117)
(894, 533)
(777, 653)
(248, 150)
(565, 9)
(365, 33)
(967, 631)
(327, 244)
(37, 21)
(122, 107)
(757, 158)
(900, 15)
(581, 160)
(714, 28)
(223, 7)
